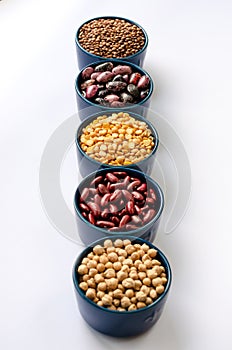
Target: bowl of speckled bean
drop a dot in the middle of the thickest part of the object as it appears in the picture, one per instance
(110, 37)
(116, 138)
(108, 202)
(113, 84)
(121, 285)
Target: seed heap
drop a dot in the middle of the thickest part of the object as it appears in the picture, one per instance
(121, 275)
(111, 38)
(118, 139)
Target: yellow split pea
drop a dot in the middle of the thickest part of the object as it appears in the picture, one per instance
(118, 139)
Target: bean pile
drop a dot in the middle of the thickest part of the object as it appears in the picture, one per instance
(118, 202)
(117, 139)
(122, 276)
(111, 38)
(113, 86)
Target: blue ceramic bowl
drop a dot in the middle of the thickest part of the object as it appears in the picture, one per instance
(86, 58)
(87, 164)
(90, 233)
(121, 323)
(87, 107)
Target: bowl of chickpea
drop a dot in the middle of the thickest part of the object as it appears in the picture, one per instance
(121, 285)
(116, 138)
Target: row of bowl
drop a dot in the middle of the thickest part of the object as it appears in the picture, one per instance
(116, 202)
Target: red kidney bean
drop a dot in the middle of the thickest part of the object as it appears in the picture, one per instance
(86, 73)
(120, 173)
(136, 220)
(142, 188)
(130, 227)
(84, 207)
(115, 220)
(124, 220)
(95, 75)
(106, 224)
(104, 77)
(91, 219)
(97, 199)
(108, 186)
(153, 195)
(105, 199)
(111, 177)
(84, 214)
(116, 186)
(84, 194)
(91, 91)
(93, 191)
(122, 70)
(149, 215)
(137, 196)
(102, 189)
(113, 208)
(115, 229)
(133, 184)
(116, 195)
(94, 208)
(144, 209)
(130, 207)
(137, 209)
(122, 212)
(96, 181)
(144, 81)
(105, 213)
(126, 194)
(150, 201)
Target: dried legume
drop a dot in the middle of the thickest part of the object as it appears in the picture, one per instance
(113, 86)
(116, 38)
(118, 139)
(113, 289)
(114, 204)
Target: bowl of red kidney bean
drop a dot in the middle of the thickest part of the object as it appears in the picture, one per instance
(113, 201)
(113, 84)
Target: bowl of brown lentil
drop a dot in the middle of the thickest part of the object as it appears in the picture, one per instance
(110, 37)
(116, 138)
(109, 202)
(121, 285)
(113, 84)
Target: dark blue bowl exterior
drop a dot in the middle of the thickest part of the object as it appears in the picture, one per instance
(87, 165)
(84, 105)
(89, 233)
(121, 324)
(85, 58)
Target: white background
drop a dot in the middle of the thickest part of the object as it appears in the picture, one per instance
(189, 56)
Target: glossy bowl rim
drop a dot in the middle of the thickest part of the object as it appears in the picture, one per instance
(130, 232)
(112, 17)
(133, 238)
(151, 126)
(135, 66)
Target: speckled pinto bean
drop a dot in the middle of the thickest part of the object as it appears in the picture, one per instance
(127, 207)
(120, 275)
(103, 80)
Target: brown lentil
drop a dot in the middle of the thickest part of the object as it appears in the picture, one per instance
(111, 38)
(129, 294)
(118, 139)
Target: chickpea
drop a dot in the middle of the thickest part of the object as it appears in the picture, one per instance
(82, 269)
(137, 263)
(100, 294)
(145, 289)
(100, 267)
(100, 303)
(113, 257)
(156, 281)
(151, 274)
(148, 264)
(126, 242)
(157, 269)
(90, 255)
(103, 259)
(159, 289)
(142, 275)
(91, 282)
(148, 301)
(96, 258)
(153, 294)
(130, 249)
(132, 307)
(85, 261)
(121, 259)
(142, 268)
(83, 286)
(112, 283)
(117, 293)
(137, 246)
(135, 256)
(133, 275)
(116, 302)
(140, 296)
(98, 278)
(117, 266)
(128, 262)
(118, 243)
(102, 286)
(147, 281)
(107, 300)
(122, 252)
(125, 268)
(85, 278)
(109, 273)
(164, 280)
(98, 249)
(125, 302)
(108, 243)
(129, 293)
(128, 283)
(110, 250)
(152, 252)
(92, 272)
(120, 309)
(109, 265)
(140, 305)
(145, 257)
(111, 307)
(137, 285)
(156, 262)
(91, 293)
(141, 253)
